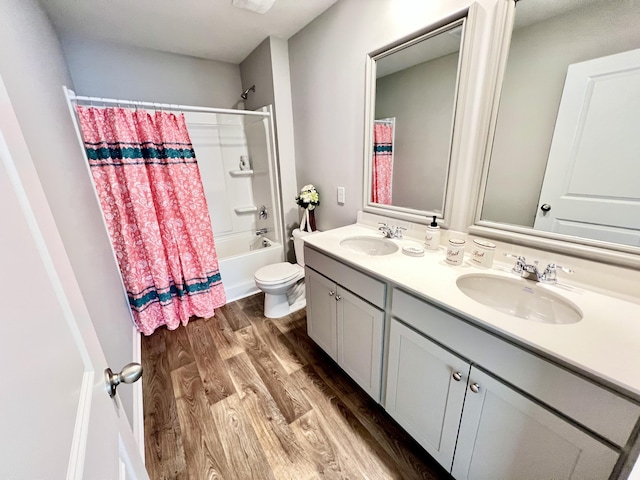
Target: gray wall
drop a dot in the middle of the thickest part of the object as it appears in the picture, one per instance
(34, 71)
(532, 90)
(117, 71)
(256, 70)
(421, 98)
(328, 87)
(267, 67)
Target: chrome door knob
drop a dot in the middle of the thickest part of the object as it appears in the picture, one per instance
(457, 376)
(129, 374)
(474, 387)
(545, 207)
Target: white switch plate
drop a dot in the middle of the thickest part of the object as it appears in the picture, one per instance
(341, 195)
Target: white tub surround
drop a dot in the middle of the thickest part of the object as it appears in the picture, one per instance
(239, 258)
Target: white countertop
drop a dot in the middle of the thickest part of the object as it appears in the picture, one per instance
(605, 343)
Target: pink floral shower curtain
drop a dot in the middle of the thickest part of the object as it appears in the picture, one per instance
(152, 197)
(382, 171)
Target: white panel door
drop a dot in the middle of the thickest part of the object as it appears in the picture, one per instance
(425, 391)
(56, 418)
(360, 340)
(592, 178)
(503, 434)
(321, 312)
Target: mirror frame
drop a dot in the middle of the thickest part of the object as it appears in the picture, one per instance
(465, 18)
(598, 250)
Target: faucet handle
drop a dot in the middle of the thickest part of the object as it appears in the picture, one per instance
(520, 263)
(398, 232)
(550, 274)
(385, 229)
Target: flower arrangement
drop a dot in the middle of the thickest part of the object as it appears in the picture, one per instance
(308, 197)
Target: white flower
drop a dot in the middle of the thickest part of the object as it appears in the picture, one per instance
(308, 197)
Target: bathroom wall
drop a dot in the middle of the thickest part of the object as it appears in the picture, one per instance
(257, 70)
(423, 128)
(106, 69)
(34, 71)
(327, 61)
(267, 67)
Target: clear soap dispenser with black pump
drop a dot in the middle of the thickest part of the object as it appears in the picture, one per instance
(432, 237)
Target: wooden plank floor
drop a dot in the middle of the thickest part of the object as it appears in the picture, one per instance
(240, 396)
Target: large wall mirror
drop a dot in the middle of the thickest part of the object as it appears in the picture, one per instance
(564, 162)
(412, 90)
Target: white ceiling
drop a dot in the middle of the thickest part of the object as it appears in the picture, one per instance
(212, 29)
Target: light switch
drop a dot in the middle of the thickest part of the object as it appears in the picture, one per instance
(341, 195)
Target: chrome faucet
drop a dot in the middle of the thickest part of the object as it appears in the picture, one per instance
(389, 231)
(261, 231)
(532, 272)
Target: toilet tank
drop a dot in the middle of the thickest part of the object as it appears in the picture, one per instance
(298, 244)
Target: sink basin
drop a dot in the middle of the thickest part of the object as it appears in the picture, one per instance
(520, 298)
(368, 245)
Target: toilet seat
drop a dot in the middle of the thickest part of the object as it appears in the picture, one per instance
(278, 273)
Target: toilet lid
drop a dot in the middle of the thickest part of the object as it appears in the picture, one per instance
(277, 273)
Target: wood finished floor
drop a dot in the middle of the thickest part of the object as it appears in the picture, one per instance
(240, 396)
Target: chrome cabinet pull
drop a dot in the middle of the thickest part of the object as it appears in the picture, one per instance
(331, 293)
(457, 376)
(338, 298)
(474, 387)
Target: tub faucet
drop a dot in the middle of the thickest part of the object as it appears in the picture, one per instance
(261, 231)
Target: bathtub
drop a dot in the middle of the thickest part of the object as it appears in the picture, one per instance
(239, 257)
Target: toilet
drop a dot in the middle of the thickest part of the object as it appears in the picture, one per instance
(283, 283)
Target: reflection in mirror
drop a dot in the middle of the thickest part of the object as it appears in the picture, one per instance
(413, 101)
(566, 150)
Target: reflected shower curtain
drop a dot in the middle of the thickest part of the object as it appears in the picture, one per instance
(152, 197)
(382, 171)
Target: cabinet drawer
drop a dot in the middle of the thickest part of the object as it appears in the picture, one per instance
(370, 289)
(593, 406)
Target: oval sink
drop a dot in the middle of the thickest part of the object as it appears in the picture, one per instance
(520, 298)
(369, 245)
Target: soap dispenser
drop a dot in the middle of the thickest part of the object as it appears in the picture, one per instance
(432, 237)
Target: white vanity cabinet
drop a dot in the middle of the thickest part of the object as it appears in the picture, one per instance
(426, 386)
(346, 319)
(504, 434)
(522, 417)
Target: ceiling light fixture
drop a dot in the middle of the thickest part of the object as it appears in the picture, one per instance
(257, 6)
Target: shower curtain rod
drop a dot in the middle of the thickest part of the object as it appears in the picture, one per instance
(71, 95)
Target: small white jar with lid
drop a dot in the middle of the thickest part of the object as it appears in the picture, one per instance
(455, 251)
(482, 253)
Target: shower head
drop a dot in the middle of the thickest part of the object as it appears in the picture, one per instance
(245, 94)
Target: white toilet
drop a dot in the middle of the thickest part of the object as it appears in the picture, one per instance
(283, 283)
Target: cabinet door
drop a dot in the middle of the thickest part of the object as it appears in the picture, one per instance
(503, 434)
(360, 341)
(321, 312)
(425, 390)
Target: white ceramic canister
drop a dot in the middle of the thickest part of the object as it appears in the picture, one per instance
(455, 251)
(482, 253)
